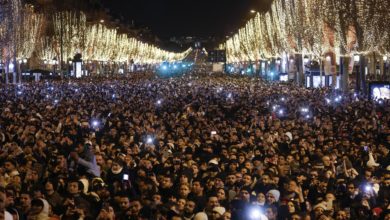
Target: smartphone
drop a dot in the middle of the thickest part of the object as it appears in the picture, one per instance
(365, 148)
(125, 177)
(213, 132)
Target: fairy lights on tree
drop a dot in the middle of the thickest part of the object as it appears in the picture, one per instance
(303, 26)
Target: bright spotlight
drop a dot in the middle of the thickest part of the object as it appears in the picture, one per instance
(255, 213)
(368, 188)
(304, 110)
(149, 140)
(95, 123)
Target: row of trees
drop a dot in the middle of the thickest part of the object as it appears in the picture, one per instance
(25, 34)
(316, 28)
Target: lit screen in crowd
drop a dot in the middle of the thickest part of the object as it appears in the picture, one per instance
(380, 90)
(284, 78)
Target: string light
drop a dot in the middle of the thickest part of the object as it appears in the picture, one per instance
(313, 27)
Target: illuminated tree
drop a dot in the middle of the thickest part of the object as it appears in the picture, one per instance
(69, 34)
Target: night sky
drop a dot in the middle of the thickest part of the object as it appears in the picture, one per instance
(200, 18)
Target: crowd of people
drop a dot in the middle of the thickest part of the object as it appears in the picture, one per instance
(194, 147)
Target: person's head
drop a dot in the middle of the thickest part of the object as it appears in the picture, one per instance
(37, 206)
(227, 215)
(292, 185)
(79, 148)
(292, 207)
(157, 199)
(231, 179)
(265, 179)
(184, 190)
(25, 199)
(166, 182)
(9, 166)
(117, 166)
(180, 204)
(247, 178)
(296, 216)
(245, 194)
(218, 212)
(272, 196)
(124, 202)
(100, 159)
(197, 187)
(135, 207)
(351, 188)
(271, 212)
(341, 215)
(74, 187)
(319, 210)
(221, 194)
(326, 161)
(189, 208)
(212, 202)
(260, 198)
(50, 186)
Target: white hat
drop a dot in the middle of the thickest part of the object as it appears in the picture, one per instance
(200, 216)
(221, 210)
(213, 161)
(289, 135)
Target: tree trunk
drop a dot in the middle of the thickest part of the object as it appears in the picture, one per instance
(15, 72)
(344, 77)
(321, 73)
(7, 71)
(362, 74)
(299, 65)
